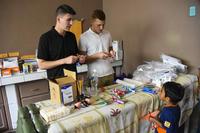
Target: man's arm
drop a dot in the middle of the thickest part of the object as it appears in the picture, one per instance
(43, 64)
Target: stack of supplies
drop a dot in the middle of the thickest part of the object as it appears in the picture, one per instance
(174, 62)
(157, 72)
(9, 64)
(29, 63)
(55, 112)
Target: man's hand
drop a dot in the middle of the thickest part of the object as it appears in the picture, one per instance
(102, 55)
(112, 53)
(81, 58)
(70, 59)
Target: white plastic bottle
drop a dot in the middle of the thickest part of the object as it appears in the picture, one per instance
(94, 83)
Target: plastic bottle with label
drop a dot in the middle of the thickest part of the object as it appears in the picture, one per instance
(94, 83)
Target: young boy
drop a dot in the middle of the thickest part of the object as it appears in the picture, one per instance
(168, 119)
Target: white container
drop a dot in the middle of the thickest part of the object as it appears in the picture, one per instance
(117, 47)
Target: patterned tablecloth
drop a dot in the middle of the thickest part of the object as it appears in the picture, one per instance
(98, 118)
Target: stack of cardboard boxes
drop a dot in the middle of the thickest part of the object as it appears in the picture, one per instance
(12, 64)
(9, 64)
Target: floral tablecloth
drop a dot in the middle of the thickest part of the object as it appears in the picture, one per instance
(98, 119)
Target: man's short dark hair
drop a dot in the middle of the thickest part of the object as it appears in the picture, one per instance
(174, 91)
(99, 14)
(63, 9)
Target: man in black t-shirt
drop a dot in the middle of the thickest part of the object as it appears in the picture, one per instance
(57, 48)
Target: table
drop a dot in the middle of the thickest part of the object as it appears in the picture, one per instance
(11, 81)
(98, 119)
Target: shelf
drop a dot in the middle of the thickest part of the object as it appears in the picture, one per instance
(42, 74)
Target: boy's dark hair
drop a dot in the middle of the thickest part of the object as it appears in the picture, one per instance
(63, 9)
(174, 91)
(98, 14)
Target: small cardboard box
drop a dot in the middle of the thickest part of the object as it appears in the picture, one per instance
(6, 72)
(15, 70)
(63, 90)
(13, 54)
(3, 55)
(10, 62)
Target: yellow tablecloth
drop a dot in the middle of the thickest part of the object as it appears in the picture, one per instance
(98, 119)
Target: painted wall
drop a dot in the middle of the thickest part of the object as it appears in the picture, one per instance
(22, 22)
(151, 27)
(148, 28)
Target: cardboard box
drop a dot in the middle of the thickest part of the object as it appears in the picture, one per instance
(63, 90)
(15, 70)
(3, 55)
(25, 57)
(6, 72)
(13, 54)
(10, 62)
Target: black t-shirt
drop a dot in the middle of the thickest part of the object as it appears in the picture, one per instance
(52, 46)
